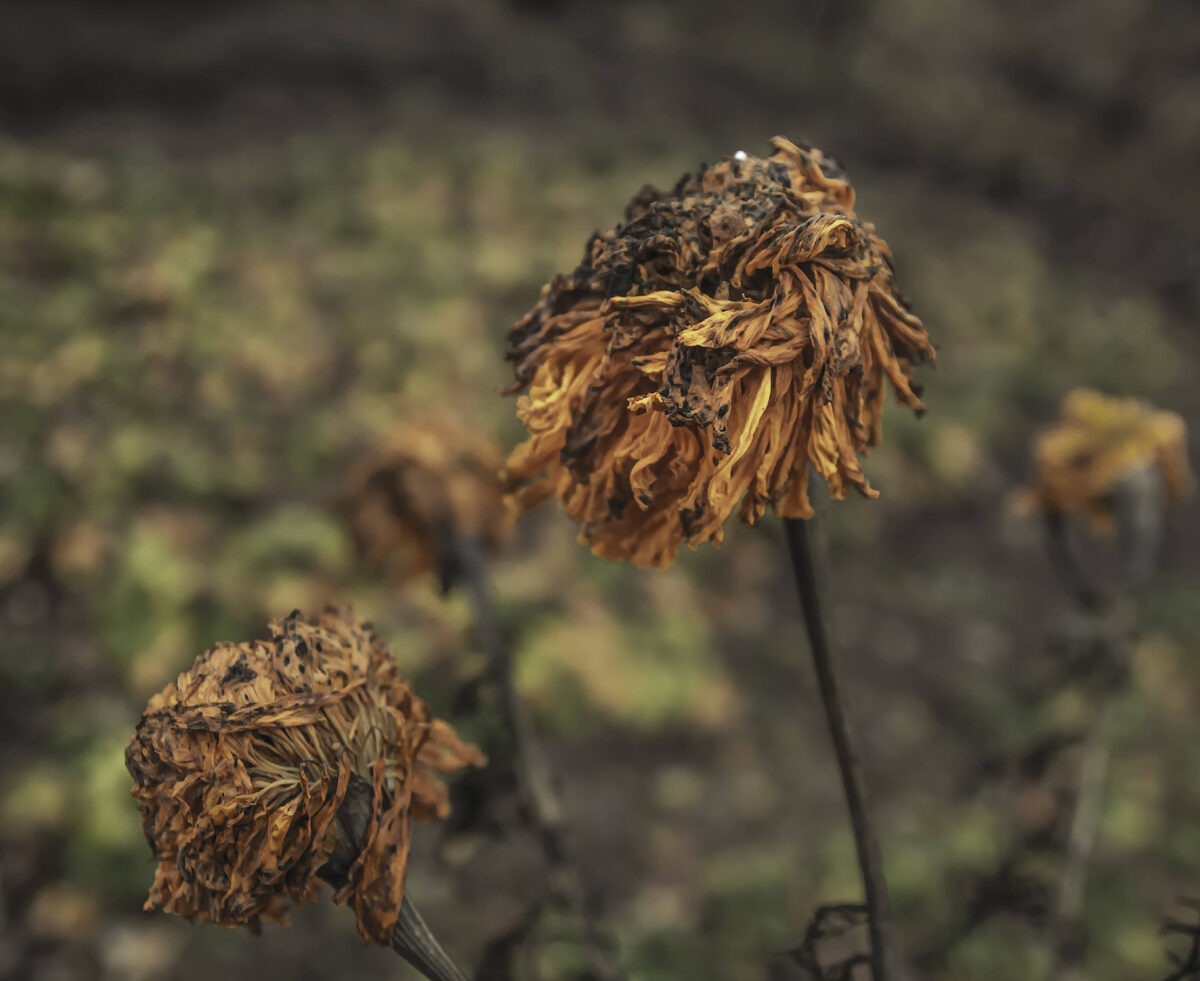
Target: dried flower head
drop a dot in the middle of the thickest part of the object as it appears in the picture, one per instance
(426, 484)
(240, 768)
(705, 351)
(1099, 441)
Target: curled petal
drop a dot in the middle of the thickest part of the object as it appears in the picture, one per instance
(729, 334)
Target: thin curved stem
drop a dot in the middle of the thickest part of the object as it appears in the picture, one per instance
(885, 962)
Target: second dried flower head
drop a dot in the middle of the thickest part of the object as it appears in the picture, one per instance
(241, 766)
(705, 351)
(413, 499)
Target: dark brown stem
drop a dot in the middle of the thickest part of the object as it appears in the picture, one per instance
(413, 941)
(885, 963)
(411, 938)
(535, 784)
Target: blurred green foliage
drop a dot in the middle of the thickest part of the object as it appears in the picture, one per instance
(196, 344)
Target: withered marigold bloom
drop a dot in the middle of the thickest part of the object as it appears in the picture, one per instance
(241, 766)
(1100, 440)
(425, 485)
(705, 351)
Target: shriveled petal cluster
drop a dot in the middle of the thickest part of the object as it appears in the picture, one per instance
(705, 351)
(1100, 440)
(240, 767)
(411, 495)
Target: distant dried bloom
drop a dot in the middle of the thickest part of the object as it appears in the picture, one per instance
(240, 768)
(1100, 440)
(705, 351)
(412, 495)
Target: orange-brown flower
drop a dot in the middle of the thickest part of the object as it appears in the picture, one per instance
(705, 351)
(240, 768)
(1100, 439)
(423, 486)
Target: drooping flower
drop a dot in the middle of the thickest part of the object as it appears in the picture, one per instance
(705, 351)
(422, 487)
(241, 766)
(1100, 440)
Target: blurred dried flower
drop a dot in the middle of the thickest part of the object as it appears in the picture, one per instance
(705, 351)
(1099, 441)
(240, 768)
(411, 496)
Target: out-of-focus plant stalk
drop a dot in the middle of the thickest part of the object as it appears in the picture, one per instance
(535, 783)
(1138, 508)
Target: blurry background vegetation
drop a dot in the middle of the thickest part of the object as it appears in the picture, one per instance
(237, 244)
